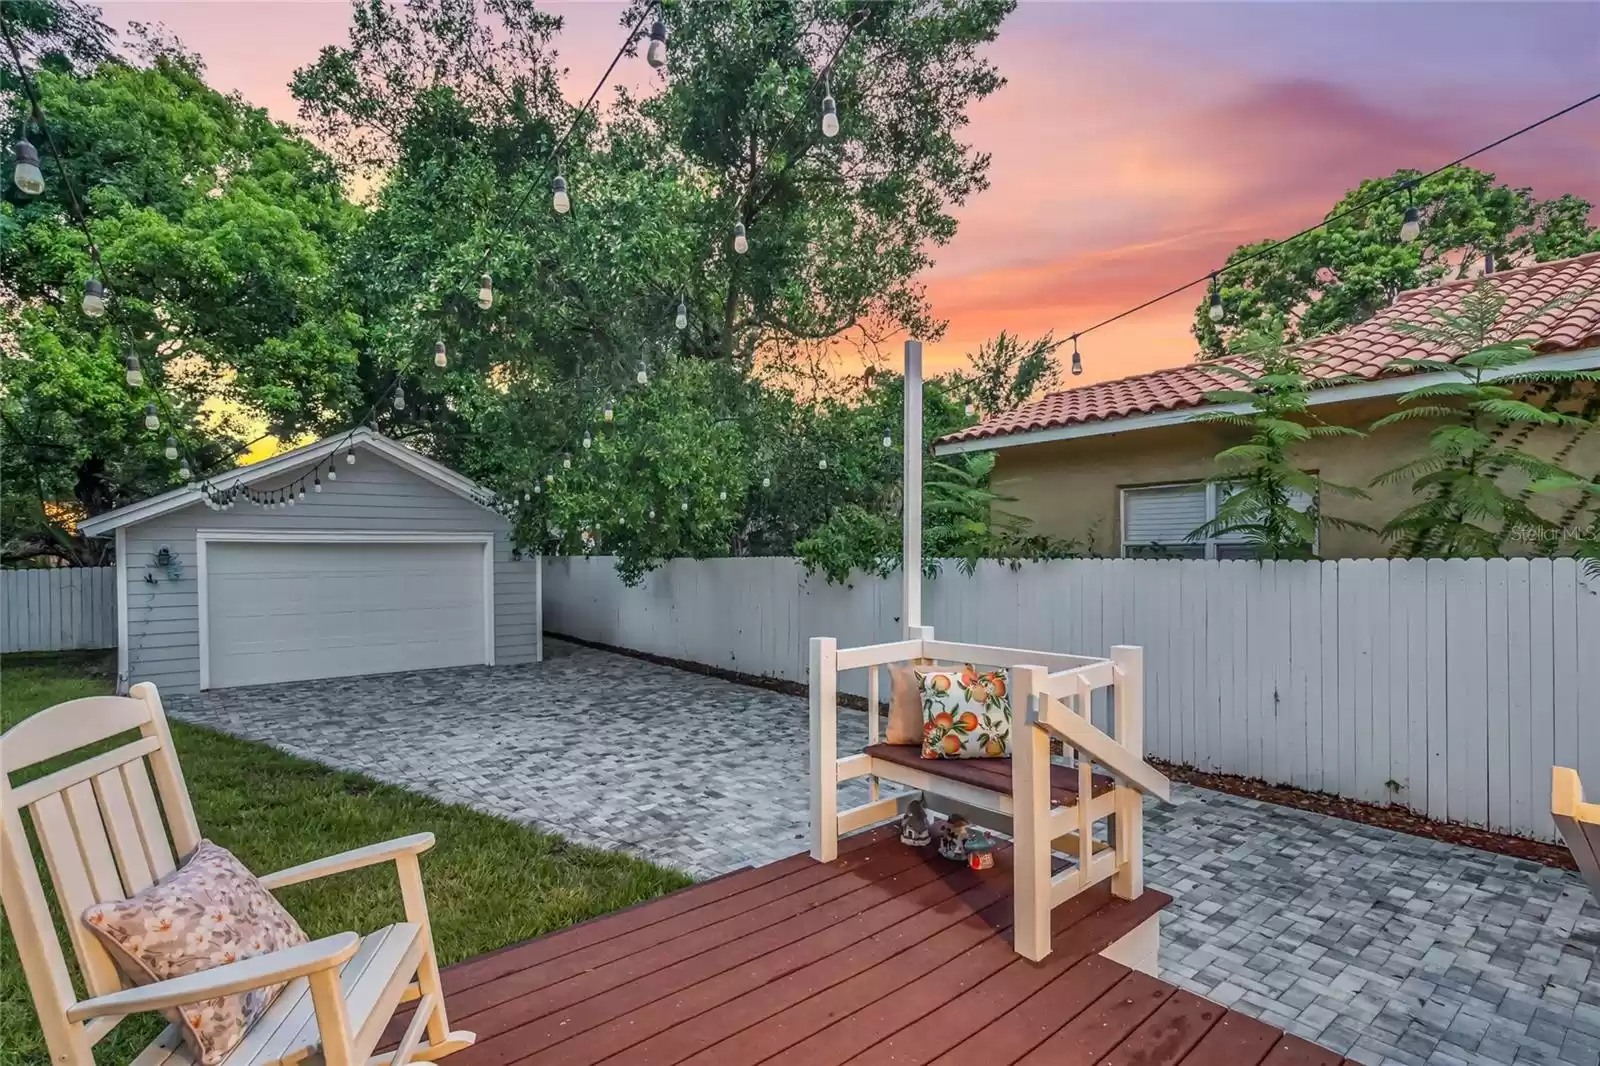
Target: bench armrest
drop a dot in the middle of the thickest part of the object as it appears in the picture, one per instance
(270, 969)
(372, 854)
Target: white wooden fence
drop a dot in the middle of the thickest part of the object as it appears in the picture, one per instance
(58, 610)
(1446, 685)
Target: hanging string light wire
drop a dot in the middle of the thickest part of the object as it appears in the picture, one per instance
(1394, 189)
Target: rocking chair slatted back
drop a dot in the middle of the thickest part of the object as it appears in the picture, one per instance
(100, 828)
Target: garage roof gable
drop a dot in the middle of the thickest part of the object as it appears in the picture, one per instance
(177, 499)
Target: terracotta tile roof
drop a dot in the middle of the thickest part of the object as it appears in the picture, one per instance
(1363, 350)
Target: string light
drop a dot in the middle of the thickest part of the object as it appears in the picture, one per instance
(171, 450)
(26, 175)
(588, 441)
(642, 376)
(558, 195)
(684, 506)
(888, 438)
(766, 482)
(1077, 360)
(350, 457)
(135, 375)
(656, 54)
(741, 244)
(399, 399)
(300, 494)
(822, 464)
(1411, 228)
(968, 408)
(607, 412)
(682, 321)
(184, 473)
(722, 495)
(830, 117)
(1215, 312)
(316, 483)
(440, 359)
(333, 472)
(485, 292)
(94, 298)
(566, 461)
(151, 420)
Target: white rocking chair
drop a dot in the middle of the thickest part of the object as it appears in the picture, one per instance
(100, 829)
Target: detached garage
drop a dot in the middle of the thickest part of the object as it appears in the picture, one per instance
(388, 562)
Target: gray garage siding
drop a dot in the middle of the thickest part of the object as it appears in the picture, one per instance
(374, 495)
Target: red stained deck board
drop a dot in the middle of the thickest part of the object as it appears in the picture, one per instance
(1107, 1022)
(726, 918)
(992, 774)
(755, 959)
(1169, 1034)
(1236, 1040)
(1087, 923)
(494, 965)
(860, 961)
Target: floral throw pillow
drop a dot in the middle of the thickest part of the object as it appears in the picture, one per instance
(965, 714)
(209, 912)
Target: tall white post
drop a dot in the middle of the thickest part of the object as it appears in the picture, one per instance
(911, 520)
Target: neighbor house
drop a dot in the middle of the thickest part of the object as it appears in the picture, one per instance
(1120, 466)
(361, 557)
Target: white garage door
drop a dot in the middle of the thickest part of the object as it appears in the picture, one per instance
(293, 612)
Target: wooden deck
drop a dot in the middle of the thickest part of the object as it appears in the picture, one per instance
(887, 955)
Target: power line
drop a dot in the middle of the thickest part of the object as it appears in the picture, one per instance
(1399, 187)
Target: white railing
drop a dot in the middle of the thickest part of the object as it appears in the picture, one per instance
(1044, 704)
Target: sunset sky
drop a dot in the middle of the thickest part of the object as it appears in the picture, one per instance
(1135, 144)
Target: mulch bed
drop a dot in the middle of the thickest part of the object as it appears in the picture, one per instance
(1400, 819)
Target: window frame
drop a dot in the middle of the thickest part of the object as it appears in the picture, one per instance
(1213, 500)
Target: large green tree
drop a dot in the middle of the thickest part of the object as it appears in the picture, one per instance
(1354, 266)
(219, 232)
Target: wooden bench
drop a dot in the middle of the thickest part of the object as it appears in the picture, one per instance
(1579, 823)
(1052, 696)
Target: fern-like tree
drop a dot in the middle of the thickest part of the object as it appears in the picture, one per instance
(1484, 403)
(1273, 503)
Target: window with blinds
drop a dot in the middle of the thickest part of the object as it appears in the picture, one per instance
(1157, 521)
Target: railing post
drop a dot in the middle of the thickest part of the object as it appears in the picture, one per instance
(1030, 801)
(1128, 720)
(824, 688)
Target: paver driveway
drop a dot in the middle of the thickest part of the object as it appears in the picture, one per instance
(1385, 947)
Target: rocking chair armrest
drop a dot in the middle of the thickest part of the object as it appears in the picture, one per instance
(273, 968)
(415, 844)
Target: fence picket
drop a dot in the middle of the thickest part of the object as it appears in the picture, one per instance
(60, 609)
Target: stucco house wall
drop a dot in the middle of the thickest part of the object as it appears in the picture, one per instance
(373, 495)
(1072, 488)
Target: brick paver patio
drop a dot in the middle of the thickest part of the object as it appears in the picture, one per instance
(1385, 947)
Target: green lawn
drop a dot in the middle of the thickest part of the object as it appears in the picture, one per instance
(490, 882)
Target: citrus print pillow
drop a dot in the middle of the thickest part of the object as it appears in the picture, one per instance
(965, 714)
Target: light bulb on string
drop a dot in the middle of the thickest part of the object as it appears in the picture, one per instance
(652, 513)
(682, 320)
(399, 399)
(608, 412)
(1215, 311)
(151, 419)
(558, 195)
(440, 358)
(549, 478)
(830, 117)
(684, 506)
(316, 483)
(722, 494)
(822, 464)
(485, 292)
(302, 493)
(566, 461)
(26, 175)
(94, 298)
(1077, 360)
(1411, 228)
(134, 375)
(766, 482)
(656, 54)
(643, 374)
(967, 409)
(350, 457)
(741, 244)
(538, 490)
(333, 472)
(588, 441)
(171, 450)
(184, 473)
(888, 438)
